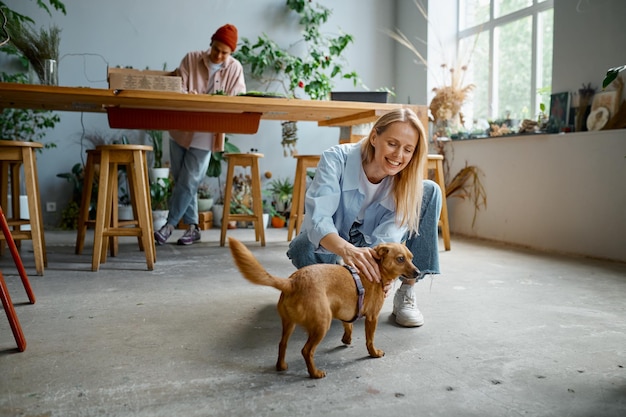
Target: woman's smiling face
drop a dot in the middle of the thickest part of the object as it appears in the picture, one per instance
(393, 149)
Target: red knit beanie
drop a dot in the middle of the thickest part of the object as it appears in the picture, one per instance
(227, 34)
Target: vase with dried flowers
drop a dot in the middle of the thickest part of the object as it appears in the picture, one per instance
(448, 100)
(40, 48)
(37, 50)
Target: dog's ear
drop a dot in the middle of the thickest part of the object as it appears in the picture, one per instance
(382, 250)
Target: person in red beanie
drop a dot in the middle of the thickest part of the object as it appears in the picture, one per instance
(213, 71)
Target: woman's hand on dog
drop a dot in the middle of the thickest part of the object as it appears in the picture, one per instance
(361, 259)
(364, 261)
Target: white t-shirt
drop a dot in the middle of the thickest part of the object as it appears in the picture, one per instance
(213, 68)
(371, 193)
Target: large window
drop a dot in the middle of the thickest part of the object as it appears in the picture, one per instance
(511, 65)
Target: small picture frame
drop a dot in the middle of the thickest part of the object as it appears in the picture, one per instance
(607, 99)
(559, 111)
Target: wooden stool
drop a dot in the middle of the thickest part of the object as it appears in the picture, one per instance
(14, 155)
(93, 160)
(435, 163)
(106, 224)
(4, 291)
(244, 160)
(299, 190)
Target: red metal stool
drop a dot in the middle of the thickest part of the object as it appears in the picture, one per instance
(4, 291)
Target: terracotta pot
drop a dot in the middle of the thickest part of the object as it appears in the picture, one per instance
(278, 222)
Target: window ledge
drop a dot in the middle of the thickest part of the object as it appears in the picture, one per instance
(521, 135)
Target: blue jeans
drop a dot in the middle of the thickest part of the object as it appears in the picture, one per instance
(188, 168)
(424, 246)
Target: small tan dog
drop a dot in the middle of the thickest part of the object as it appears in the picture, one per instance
(314, 295)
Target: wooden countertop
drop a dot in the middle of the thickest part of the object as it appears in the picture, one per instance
(213, 107)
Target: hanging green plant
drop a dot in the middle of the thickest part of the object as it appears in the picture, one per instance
(314, 70)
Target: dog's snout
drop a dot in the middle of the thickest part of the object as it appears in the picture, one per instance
(411, 271)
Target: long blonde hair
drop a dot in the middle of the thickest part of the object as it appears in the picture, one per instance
(407, 184)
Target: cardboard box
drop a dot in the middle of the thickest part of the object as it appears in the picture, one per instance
(133, 79)
(205, 221)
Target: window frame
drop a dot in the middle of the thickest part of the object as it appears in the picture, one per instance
(489, 27)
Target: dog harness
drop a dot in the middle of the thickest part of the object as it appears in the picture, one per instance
(359, 290)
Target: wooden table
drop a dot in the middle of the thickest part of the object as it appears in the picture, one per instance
(163, 110)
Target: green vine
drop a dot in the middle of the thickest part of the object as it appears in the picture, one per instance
(313, 72)
(156, 136)
(25, 125)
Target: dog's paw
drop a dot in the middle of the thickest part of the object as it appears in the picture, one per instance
(317, 374)
(281, 366)
(346, 339)
(376, 353)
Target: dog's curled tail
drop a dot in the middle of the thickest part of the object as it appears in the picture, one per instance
(251, 268)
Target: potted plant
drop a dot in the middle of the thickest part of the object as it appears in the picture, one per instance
(205, 198)
(239, 206)
(47, 42)
(215, 171)
(276, 218)
(124, 208)
(611, 75)
(268, 210)
(69, 214)
(241, 198)
(160, 193)
(25, 125)
(157, 170)
(282, 191)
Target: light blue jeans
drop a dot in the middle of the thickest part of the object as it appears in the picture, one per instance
(188, 168)
(424, 246)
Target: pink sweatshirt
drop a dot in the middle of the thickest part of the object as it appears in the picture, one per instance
(194, 71)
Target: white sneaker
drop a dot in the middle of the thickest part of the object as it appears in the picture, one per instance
(405, 309)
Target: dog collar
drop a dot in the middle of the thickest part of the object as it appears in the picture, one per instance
(359, 290)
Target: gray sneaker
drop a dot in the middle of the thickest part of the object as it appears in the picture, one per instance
(161, 236)
(190, 236)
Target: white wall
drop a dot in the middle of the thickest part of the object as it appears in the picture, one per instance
(562, 193)
(149, 33)
(410, 74)
(589, 38)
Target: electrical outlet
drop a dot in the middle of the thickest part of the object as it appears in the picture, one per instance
(51, 206)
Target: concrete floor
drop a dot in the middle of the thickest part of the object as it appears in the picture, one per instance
(508, 332)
